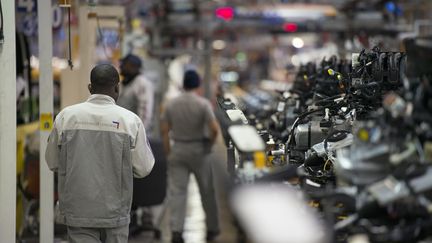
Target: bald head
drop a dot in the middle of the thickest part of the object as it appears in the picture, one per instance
(104, 79)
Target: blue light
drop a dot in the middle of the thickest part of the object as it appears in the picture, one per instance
(390, 6)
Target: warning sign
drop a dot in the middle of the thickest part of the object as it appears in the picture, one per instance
(46, 121)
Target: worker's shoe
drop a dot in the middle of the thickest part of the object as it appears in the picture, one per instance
(211, 235)
(177, 237)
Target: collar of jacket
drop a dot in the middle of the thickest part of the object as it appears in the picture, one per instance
(101, 99)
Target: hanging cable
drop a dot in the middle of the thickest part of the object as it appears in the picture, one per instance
(70, 40)
(2, 24)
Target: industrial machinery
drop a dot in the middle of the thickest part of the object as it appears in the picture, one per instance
(355, 141)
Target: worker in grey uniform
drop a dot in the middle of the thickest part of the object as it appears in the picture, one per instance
(96, 147)
(136, 91)
(137, 95)
(190, 121)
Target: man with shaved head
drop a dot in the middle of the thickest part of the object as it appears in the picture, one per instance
(96, 148)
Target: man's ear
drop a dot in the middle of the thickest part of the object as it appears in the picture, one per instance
(117, 88)
(90, 88)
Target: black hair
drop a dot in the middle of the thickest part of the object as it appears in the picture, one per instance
(104, 76)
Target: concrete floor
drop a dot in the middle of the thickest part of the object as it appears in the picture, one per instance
(195, 228)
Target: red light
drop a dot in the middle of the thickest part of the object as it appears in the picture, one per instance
(225, 13)
(290, 27)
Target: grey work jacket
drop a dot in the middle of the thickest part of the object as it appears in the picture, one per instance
(96, 147)
(138, 97)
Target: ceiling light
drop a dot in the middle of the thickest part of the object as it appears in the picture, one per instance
(290, 27)
(298, 42)
(219, 44)
(225, 13)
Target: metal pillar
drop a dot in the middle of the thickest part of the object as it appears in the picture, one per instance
(46, 211)
(8, 126)
(207, 68)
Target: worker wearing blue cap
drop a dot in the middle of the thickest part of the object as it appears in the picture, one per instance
(191, 124)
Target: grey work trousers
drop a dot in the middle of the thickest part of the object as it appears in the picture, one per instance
(186, 158)
(98, 235)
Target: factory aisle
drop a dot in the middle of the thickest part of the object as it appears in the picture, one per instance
(195, 218)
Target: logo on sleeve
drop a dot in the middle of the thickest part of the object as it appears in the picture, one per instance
(116, 123)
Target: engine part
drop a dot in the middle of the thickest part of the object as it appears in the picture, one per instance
(308, 134)
(363, 165)
(320, 149)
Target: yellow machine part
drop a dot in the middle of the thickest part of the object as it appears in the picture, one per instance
(260, 160)
(22, 132)
(270, 158)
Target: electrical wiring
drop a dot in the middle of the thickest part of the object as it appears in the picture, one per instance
(318, 102)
